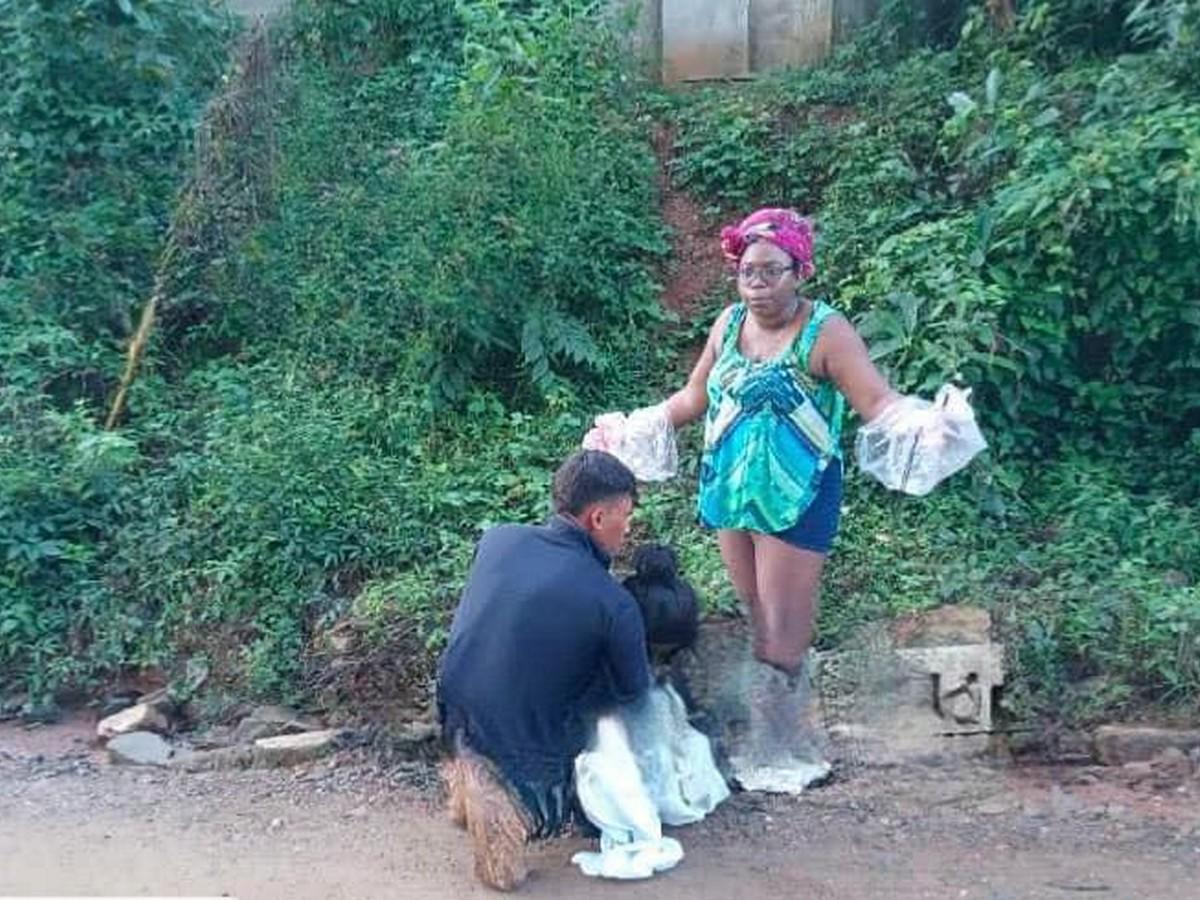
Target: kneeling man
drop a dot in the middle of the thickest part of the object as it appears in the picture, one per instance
(544, 639)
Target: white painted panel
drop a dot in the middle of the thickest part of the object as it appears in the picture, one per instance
(785, 34)
(705, 39)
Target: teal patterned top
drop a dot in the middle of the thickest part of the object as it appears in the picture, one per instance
(770, 431)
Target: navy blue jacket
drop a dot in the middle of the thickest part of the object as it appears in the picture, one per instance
(543, 639)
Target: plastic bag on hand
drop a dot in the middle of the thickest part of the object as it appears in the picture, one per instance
(913, 444)
(644, 441)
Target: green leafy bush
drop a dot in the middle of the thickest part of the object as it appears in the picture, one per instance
(1017, 214)
(463, 225)
(456, 269)
(98, 100)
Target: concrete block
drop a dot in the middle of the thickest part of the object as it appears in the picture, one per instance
(880, 704)
(786, 34)
(910, 705)
(142, 717)
(702, 39)
(1117, 745)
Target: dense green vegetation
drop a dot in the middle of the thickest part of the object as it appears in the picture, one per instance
(428, 247)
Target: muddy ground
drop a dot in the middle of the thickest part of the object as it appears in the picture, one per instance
(349, 827)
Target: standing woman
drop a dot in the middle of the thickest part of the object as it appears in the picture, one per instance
(772, 384)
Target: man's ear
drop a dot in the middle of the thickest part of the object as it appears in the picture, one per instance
(592, 516)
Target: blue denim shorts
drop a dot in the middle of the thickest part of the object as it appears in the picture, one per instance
(818, 525)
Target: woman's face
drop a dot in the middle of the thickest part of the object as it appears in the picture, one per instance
(767, 279)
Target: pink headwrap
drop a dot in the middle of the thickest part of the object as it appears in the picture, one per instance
(785, 228)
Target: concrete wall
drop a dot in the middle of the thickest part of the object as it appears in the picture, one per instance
(708, 39)
(705, 39)
(785, 34)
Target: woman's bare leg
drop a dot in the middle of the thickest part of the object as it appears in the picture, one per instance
(788, 581)
(737, 552)
(785, 749)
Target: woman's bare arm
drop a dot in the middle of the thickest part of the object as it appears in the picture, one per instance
(842, 357)
(690, 402)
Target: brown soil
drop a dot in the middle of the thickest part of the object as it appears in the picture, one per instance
(696, 268)
(346, 827)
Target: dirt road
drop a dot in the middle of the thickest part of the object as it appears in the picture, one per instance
(344, 828)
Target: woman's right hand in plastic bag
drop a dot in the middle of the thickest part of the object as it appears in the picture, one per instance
(644, 441)
(913, 444)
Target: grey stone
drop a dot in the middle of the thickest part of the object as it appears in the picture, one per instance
(265, 753)
(141, 717)
(291, 749)
(139, 748)
(1120, 744)
(943, 626)
(270, 721)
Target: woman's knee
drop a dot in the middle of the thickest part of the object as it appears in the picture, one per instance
(783, 641)
(784, 624)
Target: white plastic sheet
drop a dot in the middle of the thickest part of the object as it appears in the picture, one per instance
(644, 440)
(646, 766)
(914, 444)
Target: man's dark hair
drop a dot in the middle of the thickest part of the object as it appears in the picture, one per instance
(591, 476)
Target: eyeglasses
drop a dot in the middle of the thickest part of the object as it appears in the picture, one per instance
(770, 273)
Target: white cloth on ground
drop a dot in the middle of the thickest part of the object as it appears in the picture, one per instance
(646, 766)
